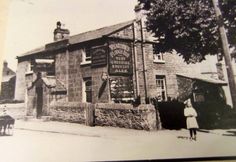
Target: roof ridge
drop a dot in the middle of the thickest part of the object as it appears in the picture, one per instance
(85, 36)
(108, 26)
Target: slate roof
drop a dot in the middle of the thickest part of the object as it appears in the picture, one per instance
(203, 78)
(86, 36)
(90, 35)
(7, 78)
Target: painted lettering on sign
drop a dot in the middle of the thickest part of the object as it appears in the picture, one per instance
(120, 59)
(99, 56)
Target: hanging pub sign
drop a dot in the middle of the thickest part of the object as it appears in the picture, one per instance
(120, 59)
(99, 56)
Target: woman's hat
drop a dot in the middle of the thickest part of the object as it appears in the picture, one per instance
(187, 101)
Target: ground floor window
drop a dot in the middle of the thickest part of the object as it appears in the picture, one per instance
(161, 87)
(87, 89)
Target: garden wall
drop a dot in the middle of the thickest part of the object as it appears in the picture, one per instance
(142, 117)
(125, 115)
(69, 112)
(16, 110)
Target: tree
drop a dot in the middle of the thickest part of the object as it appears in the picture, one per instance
(194, 28)
(189, 26)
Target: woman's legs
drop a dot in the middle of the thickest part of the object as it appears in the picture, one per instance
(195, 133)
(191, 133)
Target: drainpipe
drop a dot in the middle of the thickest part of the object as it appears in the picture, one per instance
(143, 57)
(67, 72)
(135, 60)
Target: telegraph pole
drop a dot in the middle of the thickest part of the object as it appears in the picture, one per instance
(226, 52)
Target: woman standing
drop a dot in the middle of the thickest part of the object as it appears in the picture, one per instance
(191, 122)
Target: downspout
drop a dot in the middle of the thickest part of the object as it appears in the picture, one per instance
(135, 60)
(144, 60)
(67, 71)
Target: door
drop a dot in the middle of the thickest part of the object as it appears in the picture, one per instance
(39, 92)
(87, 89)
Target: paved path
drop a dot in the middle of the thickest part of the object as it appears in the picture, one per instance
(67, 142)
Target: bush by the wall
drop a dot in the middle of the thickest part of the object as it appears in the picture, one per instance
(171, 114)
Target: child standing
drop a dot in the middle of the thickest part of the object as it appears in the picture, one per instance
(191, 122)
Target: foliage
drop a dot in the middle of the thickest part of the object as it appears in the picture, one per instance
(171, 114)
(189, 26)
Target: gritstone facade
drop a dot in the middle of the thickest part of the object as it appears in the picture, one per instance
(114, 64)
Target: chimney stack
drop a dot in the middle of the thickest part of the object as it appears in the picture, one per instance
(59, 33)
(139, 12)
(5, 64)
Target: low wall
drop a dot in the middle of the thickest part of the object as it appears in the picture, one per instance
(125, 115)
(69, 111)
(142, 117)
(16, 110)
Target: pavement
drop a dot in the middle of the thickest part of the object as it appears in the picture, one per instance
(78, 142)
(76, 129)
(98, 131)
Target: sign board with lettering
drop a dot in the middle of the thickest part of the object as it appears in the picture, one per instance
(99, 56)
(120, 58)
(121, 88)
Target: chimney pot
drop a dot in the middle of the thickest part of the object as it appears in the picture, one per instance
(59, 33)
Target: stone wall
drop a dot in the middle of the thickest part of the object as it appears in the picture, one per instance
(20, 89)
(172, 65)
(75, 78)
(104, 114)
(8, 89)
(78, 71)
(185, 88)
(17, 111)
(69, 111)
(126, 116)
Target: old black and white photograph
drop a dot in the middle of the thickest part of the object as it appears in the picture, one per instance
(117, 80)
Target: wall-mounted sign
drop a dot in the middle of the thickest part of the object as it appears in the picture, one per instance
(99, 56)
(121, 88)
(120, 59)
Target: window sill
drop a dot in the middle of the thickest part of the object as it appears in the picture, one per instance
(29, 73)
(85, 63)
(159, 61)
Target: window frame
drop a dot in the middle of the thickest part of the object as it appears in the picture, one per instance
(85, 90)
(161, 78)
(157, 57)
(85, 58)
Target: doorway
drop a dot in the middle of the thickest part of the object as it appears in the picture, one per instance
(39, 92)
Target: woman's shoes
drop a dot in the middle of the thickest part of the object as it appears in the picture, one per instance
(193, 138)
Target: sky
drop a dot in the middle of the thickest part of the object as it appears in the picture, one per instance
(30, 23)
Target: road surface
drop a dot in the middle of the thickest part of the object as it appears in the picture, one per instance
(103, 143)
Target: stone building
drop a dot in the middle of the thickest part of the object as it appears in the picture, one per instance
(7, 83)
(114, 64)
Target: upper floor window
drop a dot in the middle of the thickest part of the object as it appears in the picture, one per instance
(161, 88)
(86, 56)
(158, 57)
